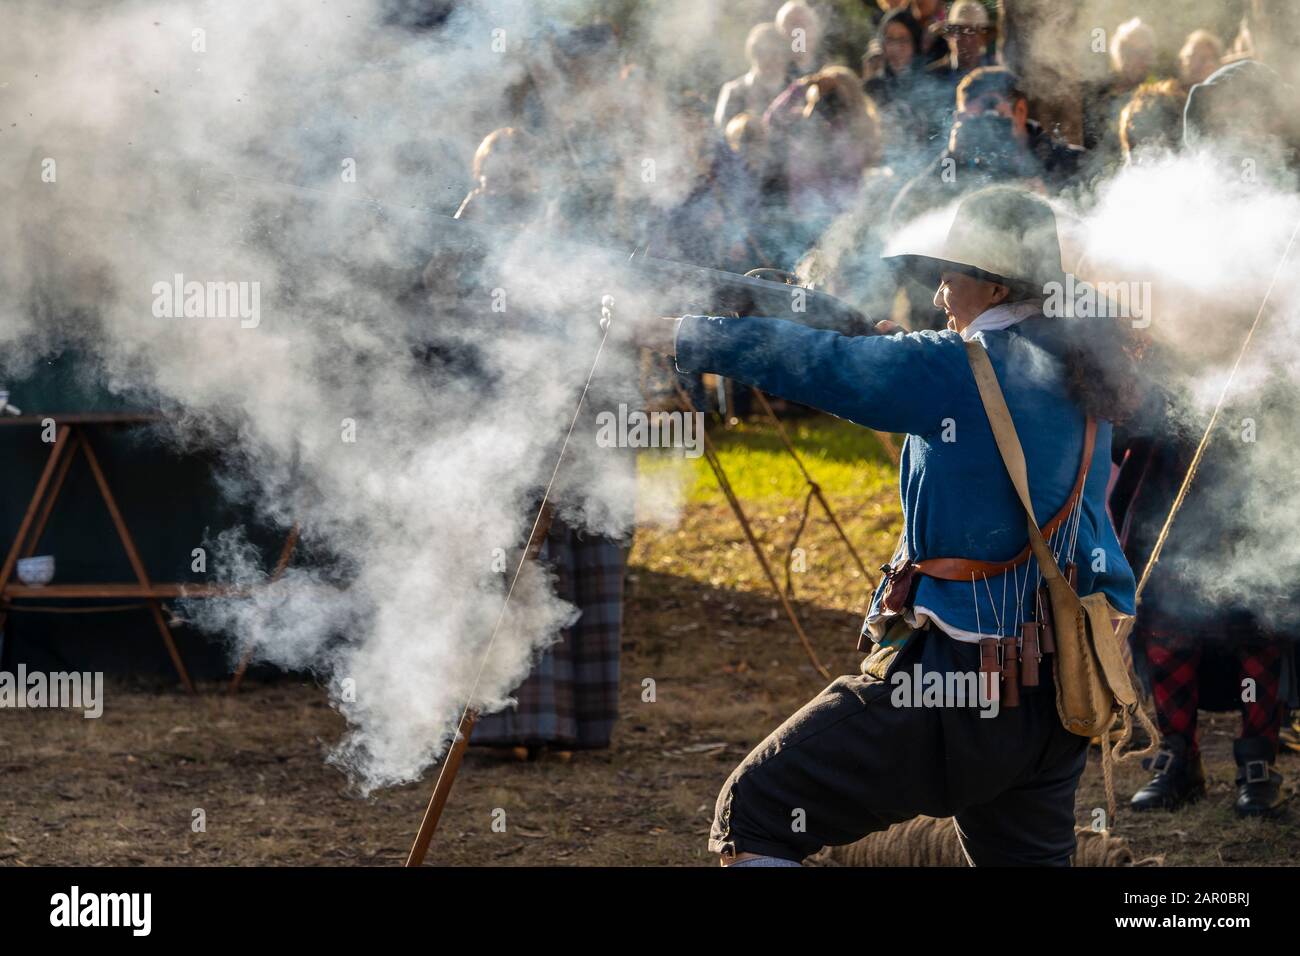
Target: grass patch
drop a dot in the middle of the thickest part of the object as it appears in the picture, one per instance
(707, 545)
(845, 459)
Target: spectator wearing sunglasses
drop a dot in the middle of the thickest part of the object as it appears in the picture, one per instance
(971, 40)
(970, 37)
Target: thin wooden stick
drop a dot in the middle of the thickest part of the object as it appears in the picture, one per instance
(541, 525)
(1204, 443)
(451, 764)
(732, 499)
(816, 488)
(441, 790)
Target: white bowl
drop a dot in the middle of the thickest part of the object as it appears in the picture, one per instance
(36, 572)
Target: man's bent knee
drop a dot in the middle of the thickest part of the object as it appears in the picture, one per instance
(739, 832)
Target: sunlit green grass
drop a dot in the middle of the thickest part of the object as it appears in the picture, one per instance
(843, 458)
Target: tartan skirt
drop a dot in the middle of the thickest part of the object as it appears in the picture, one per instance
(570, 700)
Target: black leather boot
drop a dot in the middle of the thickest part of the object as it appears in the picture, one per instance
(1179, 778)
(1259, 784)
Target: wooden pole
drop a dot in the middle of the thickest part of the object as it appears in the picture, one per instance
(536, 538)
(441, 790)
(451, 763)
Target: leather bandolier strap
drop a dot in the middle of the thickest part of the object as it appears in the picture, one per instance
(964, 569)
(900, 578)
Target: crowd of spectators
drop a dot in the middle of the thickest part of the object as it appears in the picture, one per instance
(813, 148)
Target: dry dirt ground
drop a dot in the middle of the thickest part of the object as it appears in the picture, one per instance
(123, 789)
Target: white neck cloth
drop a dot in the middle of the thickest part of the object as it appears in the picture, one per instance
(1002, 317)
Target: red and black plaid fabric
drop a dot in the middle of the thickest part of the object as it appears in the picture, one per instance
(1175, 661)
(1262, 663)
(1175, 664)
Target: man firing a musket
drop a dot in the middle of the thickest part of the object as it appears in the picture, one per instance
(1005, 409)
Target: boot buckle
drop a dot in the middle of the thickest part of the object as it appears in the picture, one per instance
(1162, 761)
(1256, 771)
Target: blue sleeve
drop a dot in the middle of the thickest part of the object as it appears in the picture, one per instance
(895, 383)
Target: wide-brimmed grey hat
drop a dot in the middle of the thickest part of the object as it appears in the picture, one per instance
(1002, 234)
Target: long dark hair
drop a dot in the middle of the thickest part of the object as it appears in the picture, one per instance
(1099, 356)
